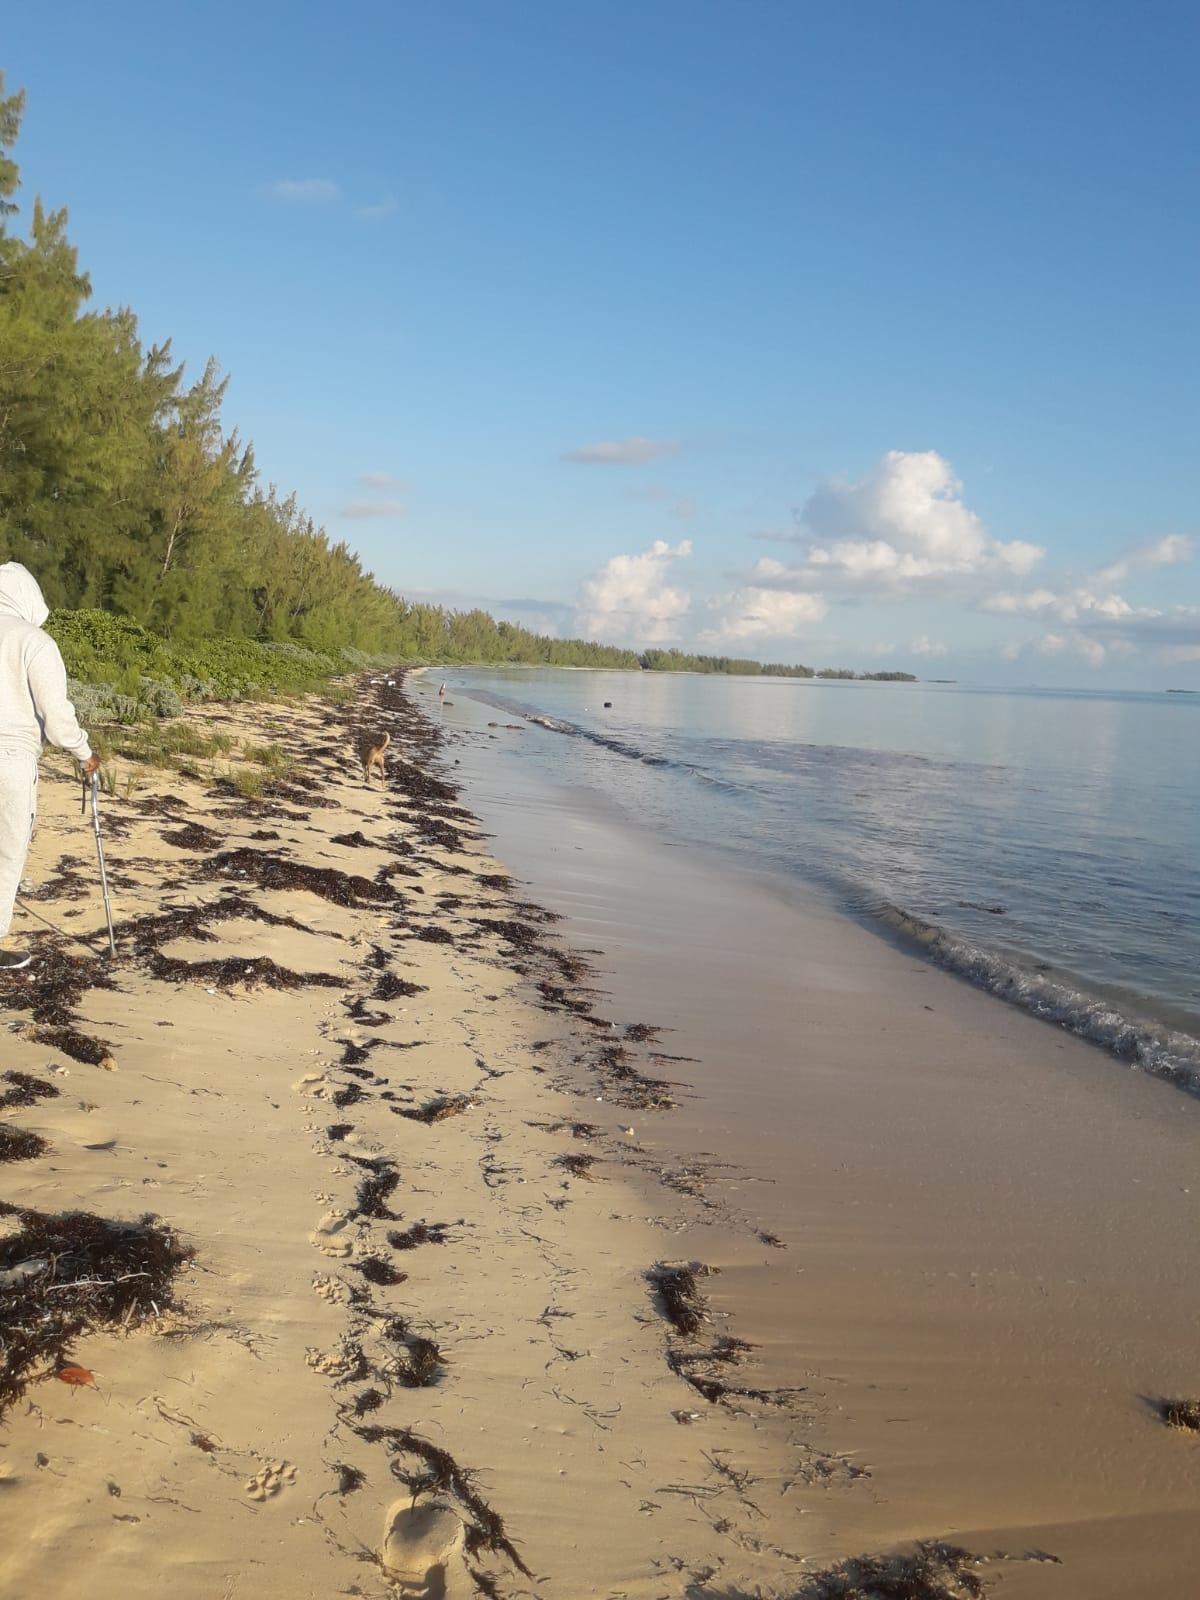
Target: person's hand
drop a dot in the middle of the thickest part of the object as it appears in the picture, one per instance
(91, 765)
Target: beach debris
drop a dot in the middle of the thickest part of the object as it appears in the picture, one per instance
(679, 1294)
(577, 1164)
(933, 1571)
(18, 1144)
(1183, 1414)
(392, 987)
(381, 1181)
(78, 1376)
(379, 1272)
(417, 1234)
(192, 836)
(349, 1478)
(95, 1273)
(257, 972)
(26, 1090)
(275, 872)
(92, 1052)
(420, 1361)
(437, 1109)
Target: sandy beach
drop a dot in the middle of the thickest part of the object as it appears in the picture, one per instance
(686, 1247)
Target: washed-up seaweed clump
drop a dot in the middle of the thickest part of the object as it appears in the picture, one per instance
(679, 1294)
(419, 1361)
(255, 972)
(378, 1271)
(380, 1181)
(933, 1571)
(391, 987)
(18, 1144)
(437, 1109)
(417, 1234)
(1181, 1414)
(517, 935)
(192, 836)
(433, 934)
(53, 984)
(439, 1473)
(274, 872)
(26, 1090)
(577, 1164)
(63, 1274)
(78, 1046)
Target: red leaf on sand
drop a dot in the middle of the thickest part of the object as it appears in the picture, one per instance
(76, 1375)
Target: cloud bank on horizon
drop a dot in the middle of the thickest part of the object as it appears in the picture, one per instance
(901, 537)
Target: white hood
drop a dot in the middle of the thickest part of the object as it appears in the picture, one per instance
(20, 594)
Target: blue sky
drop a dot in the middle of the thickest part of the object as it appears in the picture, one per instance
(861, 333)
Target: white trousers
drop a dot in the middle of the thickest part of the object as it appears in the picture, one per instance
(18, 811)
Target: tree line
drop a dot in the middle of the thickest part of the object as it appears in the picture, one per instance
(123, 491)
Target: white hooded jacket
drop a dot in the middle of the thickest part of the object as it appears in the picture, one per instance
(34, 705)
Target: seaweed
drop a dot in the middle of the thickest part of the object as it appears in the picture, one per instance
(274, 872)
(339, 1130)
(418, 1233)
(577, 1164)
(432, 933)
(26, 1090)
(420, 1361)
(78, 1046)
(378, 1271)
(1181, 1414)
(373, 1190)
(933, 1571)
(18, 1144)
(52, 986)
(254, 972)
(679, 1294)
(192, 836)
(357, 839)
(348, 1096)
(349, 1478)
(437, 1109)
(391, 987)
(78, 1271)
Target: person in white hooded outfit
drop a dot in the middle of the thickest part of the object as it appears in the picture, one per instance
(34, 707)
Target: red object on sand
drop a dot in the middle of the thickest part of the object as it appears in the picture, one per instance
(75, 1375)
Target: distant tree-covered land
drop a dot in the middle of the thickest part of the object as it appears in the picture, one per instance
(147, 523)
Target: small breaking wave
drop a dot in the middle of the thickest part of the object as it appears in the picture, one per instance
(1162, 1052)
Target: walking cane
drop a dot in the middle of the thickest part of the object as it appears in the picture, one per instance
(112, 943)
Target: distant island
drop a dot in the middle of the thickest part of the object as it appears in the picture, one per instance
(1183, 691)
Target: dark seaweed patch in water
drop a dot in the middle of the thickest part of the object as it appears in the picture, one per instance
(934, 1571)
(679, 1294)
(258, 972)
(92, 1052)
(419, 1233)
(18, 1144)
(378, 1271)
(391, 987)
(1181, 1414)
(192, 837)
(90, 1273)
(437, 1109)
(273, 872)
(26, 1090)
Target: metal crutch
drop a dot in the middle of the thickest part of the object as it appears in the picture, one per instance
(112, 943)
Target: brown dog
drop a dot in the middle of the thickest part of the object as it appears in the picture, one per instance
(372, 755)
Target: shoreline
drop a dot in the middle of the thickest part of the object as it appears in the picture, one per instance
(515, 1251)
(992, 1258)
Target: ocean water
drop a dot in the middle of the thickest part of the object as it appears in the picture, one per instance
(1044, 844)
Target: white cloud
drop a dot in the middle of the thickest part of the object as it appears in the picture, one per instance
(305, 191)
(632, 452)
(629, 598)
(752, 613)
(1079, 644)
(925, 646)
(381, 480)
(902, 523)
(361, 509)
(1170, 551)
(1182, 652)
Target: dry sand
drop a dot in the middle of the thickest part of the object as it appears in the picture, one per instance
(417, 1350)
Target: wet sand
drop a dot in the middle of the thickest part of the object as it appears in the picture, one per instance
(990, 1262)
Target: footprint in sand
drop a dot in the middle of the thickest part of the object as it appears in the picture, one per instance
(266, 1483)
(328, 1235)
(423, 1550)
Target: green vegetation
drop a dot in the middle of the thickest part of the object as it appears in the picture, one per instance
(174, 574)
